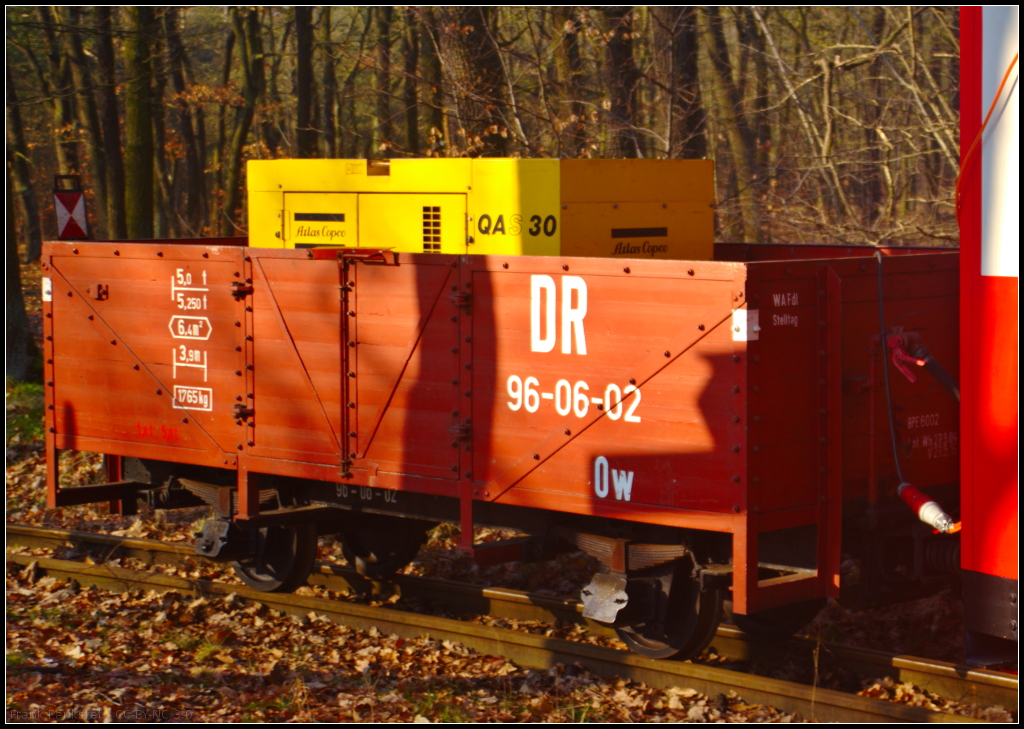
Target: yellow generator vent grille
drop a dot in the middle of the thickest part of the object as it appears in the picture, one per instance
(431, 229)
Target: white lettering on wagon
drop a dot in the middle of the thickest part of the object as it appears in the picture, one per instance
(543, 331)
(923, 421)
(193, 398)
(786, 299)
(785, 320)
(183, 357)
(574, 398)
(190, 327)
(621, 480)
(938, 445)
(184, 294)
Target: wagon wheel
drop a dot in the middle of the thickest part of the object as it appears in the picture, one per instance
(283, 560)
(383, 545)
(685, 618)
(780, 622)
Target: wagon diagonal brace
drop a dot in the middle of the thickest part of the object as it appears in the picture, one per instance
(561, 437)
(392, 387)
(291, 340)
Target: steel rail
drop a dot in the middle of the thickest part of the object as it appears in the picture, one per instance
(957, 682)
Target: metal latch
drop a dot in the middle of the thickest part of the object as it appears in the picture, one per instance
(100, 292)
(462, 299)
(240, 289)
(460, 431)
(241, 411)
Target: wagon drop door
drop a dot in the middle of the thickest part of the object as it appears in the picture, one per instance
(405, 379)
(355, 362)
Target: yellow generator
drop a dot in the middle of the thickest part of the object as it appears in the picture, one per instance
(534, 207)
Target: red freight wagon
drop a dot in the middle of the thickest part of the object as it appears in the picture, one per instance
(714, 430)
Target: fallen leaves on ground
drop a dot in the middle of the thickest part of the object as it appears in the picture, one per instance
(906, 693)
(143, 655)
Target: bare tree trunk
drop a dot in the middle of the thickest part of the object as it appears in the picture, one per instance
(272, 123)
(139, 124)
(19, 166)
(677, 38)
(220, 152)
(89, 117)
(247, 29)
(330, 88)
(62, 88)
(194, 182)
(22, 354)
(439, 137)
(741, 134)
(384, 136)
(111, 121)
(305, 134)
(574, 84)
(624, 80)
(165, 224)
(473, 77)
(410, 96)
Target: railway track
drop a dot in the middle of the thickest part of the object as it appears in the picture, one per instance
(961, 683)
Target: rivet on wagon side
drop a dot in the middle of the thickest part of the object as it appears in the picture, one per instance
(159, 392)
(536, 456)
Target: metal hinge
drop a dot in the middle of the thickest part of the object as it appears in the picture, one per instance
(240, 289)
(241, 411)
(462, 299)
(461, 431)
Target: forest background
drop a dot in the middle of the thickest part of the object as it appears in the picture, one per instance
(826, 124)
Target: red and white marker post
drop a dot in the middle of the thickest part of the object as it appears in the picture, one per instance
(69, 204)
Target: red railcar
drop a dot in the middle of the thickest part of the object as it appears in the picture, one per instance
(713, 430)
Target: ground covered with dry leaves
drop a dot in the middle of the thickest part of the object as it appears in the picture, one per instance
(140, 655)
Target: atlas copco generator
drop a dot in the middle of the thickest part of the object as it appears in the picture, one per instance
(552, 346)
(661, 209)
